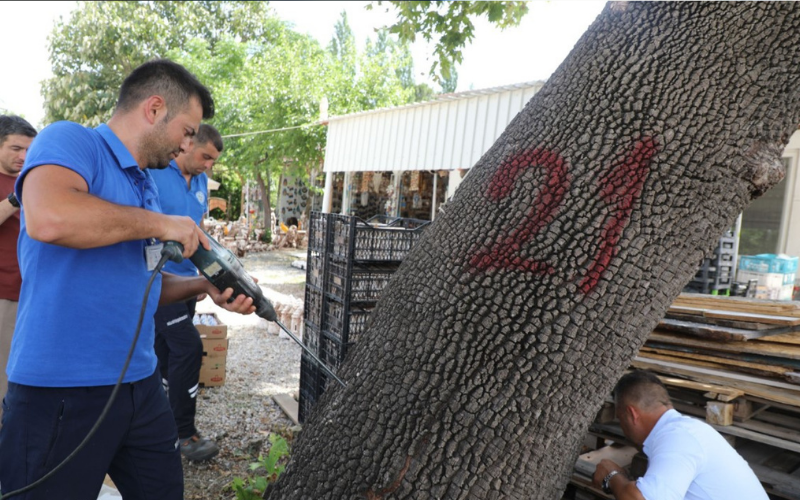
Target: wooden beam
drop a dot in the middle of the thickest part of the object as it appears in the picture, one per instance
(763, 349)
(769, 319)
(762, 388)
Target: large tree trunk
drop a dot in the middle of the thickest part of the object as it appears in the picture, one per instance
(497, 340)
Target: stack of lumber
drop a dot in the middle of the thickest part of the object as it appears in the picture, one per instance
(735, 362)
(749, 345)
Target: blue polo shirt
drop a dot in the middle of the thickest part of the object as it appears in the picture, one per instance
(179, 198)
(78, 309)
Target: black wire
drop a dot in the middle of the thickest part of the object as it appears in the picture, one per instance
(164, 258)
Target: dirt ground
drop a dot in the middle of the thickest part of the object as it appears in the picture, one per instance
(241, 414)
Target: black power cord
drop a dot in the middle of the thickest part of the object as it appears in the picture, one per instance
(166, 254)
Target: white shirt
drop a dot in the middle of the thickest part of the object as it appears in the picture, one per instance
(688, 459)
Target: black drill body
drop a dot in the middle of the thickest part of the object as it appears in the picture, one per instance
(224, 270)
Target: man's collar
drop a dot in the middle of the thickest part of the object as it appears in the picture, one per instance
(120, 151)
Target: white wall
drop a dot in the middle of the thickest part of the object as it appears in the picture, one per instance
(791, 221)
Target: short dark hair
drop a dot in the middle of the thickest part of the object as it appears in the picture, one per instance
(15, 125)
(642, 388)
(207, 133)
(168, 79)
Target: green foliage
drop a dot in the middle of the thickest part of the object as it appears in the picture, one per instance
(267, 80)
(230, 190)
(451, 24)
(267, 468)
(101, 42)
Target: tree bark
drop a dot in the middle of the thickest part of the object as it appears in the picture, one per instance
(495, 343)
(264, 188)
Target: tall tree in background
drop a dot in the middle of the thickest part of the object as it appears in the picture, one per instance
(267, 79)
(102, 42)
(509, 323)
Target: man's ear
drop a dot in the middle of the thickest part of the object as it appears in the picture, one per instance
(634, 413)
(154, 107)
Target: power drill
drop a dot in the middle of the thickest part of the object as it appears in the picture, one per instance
(224, 270)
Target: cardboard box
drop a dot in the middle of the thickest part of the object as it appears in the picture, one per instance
(215, 348)
(769, 286)
(219, 331)
(213, 362)
(212, 376)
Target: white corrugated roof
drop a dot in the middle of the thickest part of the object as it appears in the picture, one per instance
(449, 133)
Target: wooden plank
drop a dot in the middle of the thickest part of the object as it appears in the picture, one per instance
(785, 421)
(761, 306)
(619, 454)
(788, 395)
(727, 323)
(786, 338)
(770, 430)
(719, 413)
(585, 484)
(714, 332)
(769, 319)
(288, 405)
(737, 431)
(705, 364)
(778, 483)
(700, 386)
(763, 349)
(785, 461)
(720, 359)
(779, 366)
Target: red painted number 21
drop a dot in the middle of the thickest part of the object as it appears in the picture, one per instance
(620, 187)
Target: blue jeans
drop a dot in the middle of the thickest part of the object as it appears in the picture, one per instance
(136, 445)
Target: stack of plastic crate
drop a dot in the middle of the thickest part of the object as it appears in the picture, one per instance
(717, 273)
(350, 261)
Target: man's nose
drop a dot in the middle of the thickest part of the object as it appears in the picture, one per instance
(185, 143)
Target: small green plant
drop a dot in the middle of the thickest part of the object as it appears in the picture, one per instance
(266, 236)
(252, 488)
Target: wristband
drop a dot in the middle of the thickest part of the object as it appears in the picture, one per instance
(607, 481)
(12, 198)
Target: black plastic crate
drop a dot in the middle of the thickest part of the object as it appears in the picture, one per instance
(332, 351)
(317, 232)
(313, 306)
(335, 321)
(338, 279)
(409, 223)
(309, 375)
(305, 405)
(367, 282)
(315, 272)
(358, 282)
(354, 239)
(311, 334)
(712, 277)
(357, 324)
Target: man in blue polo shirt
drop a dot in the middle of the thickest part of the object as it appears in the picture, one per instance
(183, 190)
(88, 246)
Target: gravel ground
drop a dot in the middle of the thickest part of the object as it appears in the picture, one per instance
(241, 414)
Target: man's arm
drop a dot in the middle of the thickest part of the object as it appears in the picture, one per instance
(6, 210)
(59, 210)
(621, 487)
(177, 288)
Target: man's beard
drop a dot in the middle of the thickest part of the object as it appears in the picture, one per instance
(155, 149)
